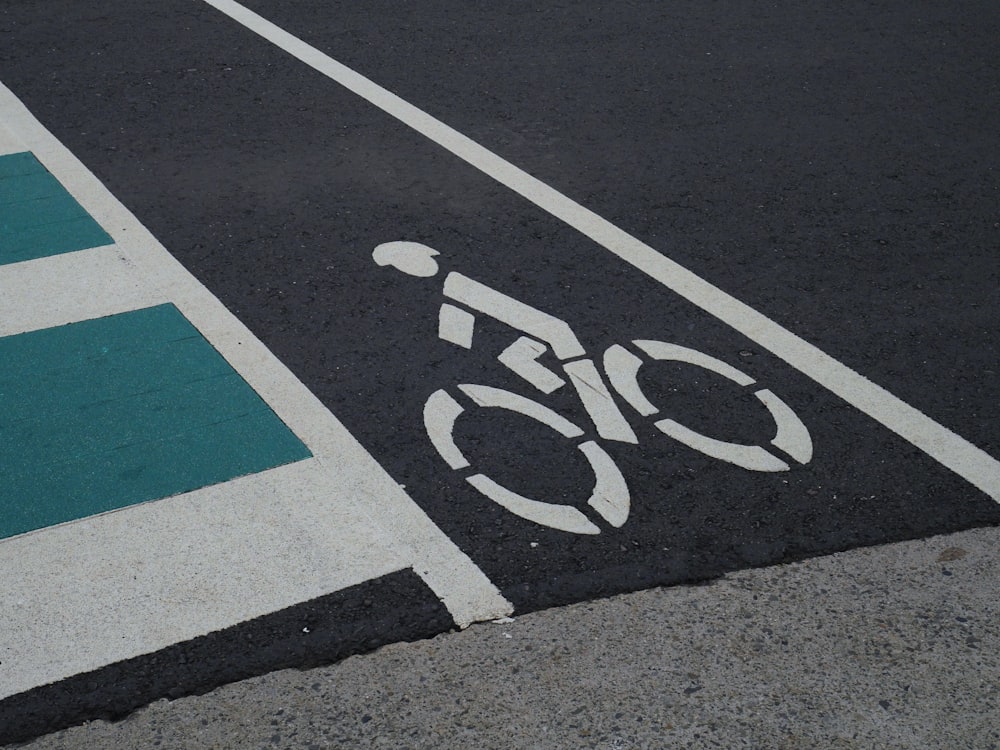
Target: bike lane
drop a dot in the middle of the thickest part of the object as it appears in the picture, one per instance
(279, 213)
(832, 166)
(274, 186)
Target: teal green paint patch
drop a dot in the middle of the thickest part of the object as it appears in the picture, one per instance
(29, 187)
(38, 217)
(15, 165)
(106, 413)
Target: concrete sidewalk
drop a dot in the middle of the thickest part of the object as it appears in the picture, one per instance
(888, 647)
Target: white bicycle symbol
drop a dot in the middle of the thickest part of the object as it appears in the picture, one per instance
(610, 497)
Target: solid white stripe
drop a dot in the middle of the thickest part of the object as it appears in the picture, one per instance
(60, 289)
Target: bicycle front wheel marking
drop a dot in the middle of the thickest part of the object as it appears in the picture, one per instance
(791, 436)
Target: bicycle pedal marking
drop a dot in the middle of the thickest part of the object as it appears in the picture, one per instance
(610, 498)
(484, 395)
(521, 357)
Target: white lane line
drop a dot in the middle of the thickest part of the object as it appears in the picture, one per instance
(109, 587)
(93, 592)
(61, 289)
(946, 447)
(9, 144)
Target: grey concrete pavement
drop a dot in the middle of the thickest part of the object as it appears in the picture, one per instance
(885, 647)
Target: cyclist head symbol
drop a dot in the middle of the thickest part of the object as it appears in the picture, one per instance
(409, 257)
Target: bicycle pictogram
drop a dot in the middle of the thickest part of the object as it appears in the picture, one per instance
(610, 498)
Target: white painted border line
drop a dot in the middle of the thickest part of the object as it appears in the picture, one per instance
(943, 445)
(58, 289)
(102, 589)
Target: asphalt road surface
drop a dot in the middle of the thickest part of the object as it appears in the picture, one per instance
(569, 390)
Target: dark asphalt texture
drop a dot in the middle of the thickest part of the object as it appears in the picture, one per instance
(834, 167)
(358, 619)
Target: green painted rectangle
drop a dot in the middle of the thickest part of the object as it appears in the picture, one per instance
(29, 187)
(15, 165)
(106, 413)
(51, 239)
(20, 215)
(38, 216)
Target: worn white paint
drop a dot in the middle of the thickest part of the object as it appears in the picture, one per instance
(92, 592)
(622, 368)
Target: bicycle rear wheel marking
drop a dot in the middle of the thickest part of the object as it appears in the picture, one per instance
(610, 498)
